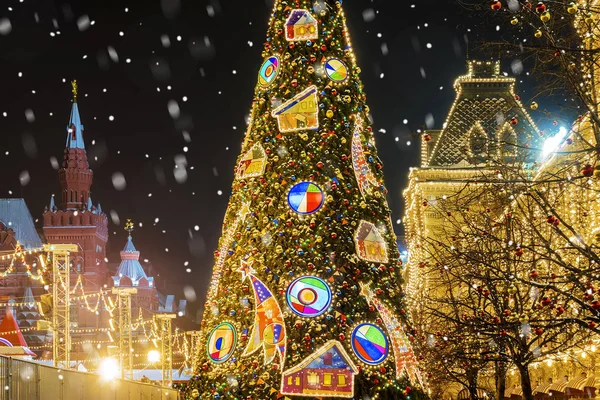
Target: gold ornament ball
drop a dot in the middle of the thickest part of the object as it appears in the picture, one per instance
(538, 34)
(310, 69)
(195, 394)
(589, 18)
(329, 113)
(545, 17)
(534, 106)
(514, 21)
(572, 9)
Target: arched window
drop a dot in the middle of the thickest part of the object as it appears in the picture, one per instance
(478, 146)
(507, 143)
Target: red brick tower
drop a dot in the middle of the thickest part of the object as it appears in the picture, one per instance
(78, 221)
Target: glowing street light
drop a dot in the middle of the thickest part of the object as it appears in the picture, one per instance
(109, 369)
(153, 356)
(551, 144)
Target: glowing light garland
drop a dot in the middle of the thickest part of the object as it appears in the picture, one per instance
(364, 176)
(404, 356)
(227, 240)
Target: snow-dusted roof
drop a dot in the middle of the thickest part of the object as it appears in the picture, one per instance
(14, 214)
(130, 266)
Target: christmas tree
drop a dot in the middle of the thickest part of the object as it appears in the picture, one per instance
(305, 299)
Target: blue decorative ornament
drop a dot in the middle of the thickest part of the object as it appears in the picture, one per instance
(300, 252)
(370, 344)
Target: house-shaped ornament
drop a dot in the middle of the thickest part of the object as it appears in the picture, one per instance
(253, 163)
(299, 113)
(301, 25)
(370, 245)
(329, 372)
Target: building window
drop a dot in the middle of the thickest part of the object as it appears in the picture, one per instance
(289, 380)
(313, 379)
(297, 381)
(327, 379)
(341, 380)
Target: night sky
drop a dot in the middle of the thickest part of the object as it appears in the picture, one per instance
(134, 58)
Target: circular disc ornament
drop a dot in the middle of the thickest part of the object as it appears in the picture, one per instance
(273, 333)
(221, 343)
(308, 296)
(306, 198)
(370, 344)
(268, 71)
(336, 70)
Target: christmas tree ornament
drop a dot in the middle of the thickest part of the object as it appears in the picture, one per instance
(336, 70)
(268, 330)
(221, 343)
(268, 72)
(298, 113)
(545, 17)
(540, 8)
(370, 344)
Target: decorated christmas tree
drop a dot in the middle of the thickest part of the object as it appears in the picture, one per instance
(305, 299)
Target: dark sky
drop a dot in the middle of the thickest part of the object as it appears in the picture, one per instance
(212, 60)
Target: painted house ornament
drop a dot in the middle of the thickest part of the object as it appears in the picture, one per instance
(253, 163)
(370, 245)
(301, 26)
(299, 113)
(221, 343)
(268, 71)
(328, 372)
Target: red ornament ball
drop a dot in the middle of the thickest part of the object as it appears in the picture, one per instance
(587, 171)
(496, 5)
(540, 8)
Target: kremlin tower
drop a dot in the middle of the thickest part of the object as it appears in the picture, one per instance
(77, 220)
(131, 274)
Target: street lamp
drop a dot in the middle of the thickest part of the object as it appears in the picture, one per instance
(153, 356)
(109, 369)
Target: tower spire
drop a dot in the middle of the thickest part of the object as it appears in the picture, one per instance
(75, 174)
(75, 127)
